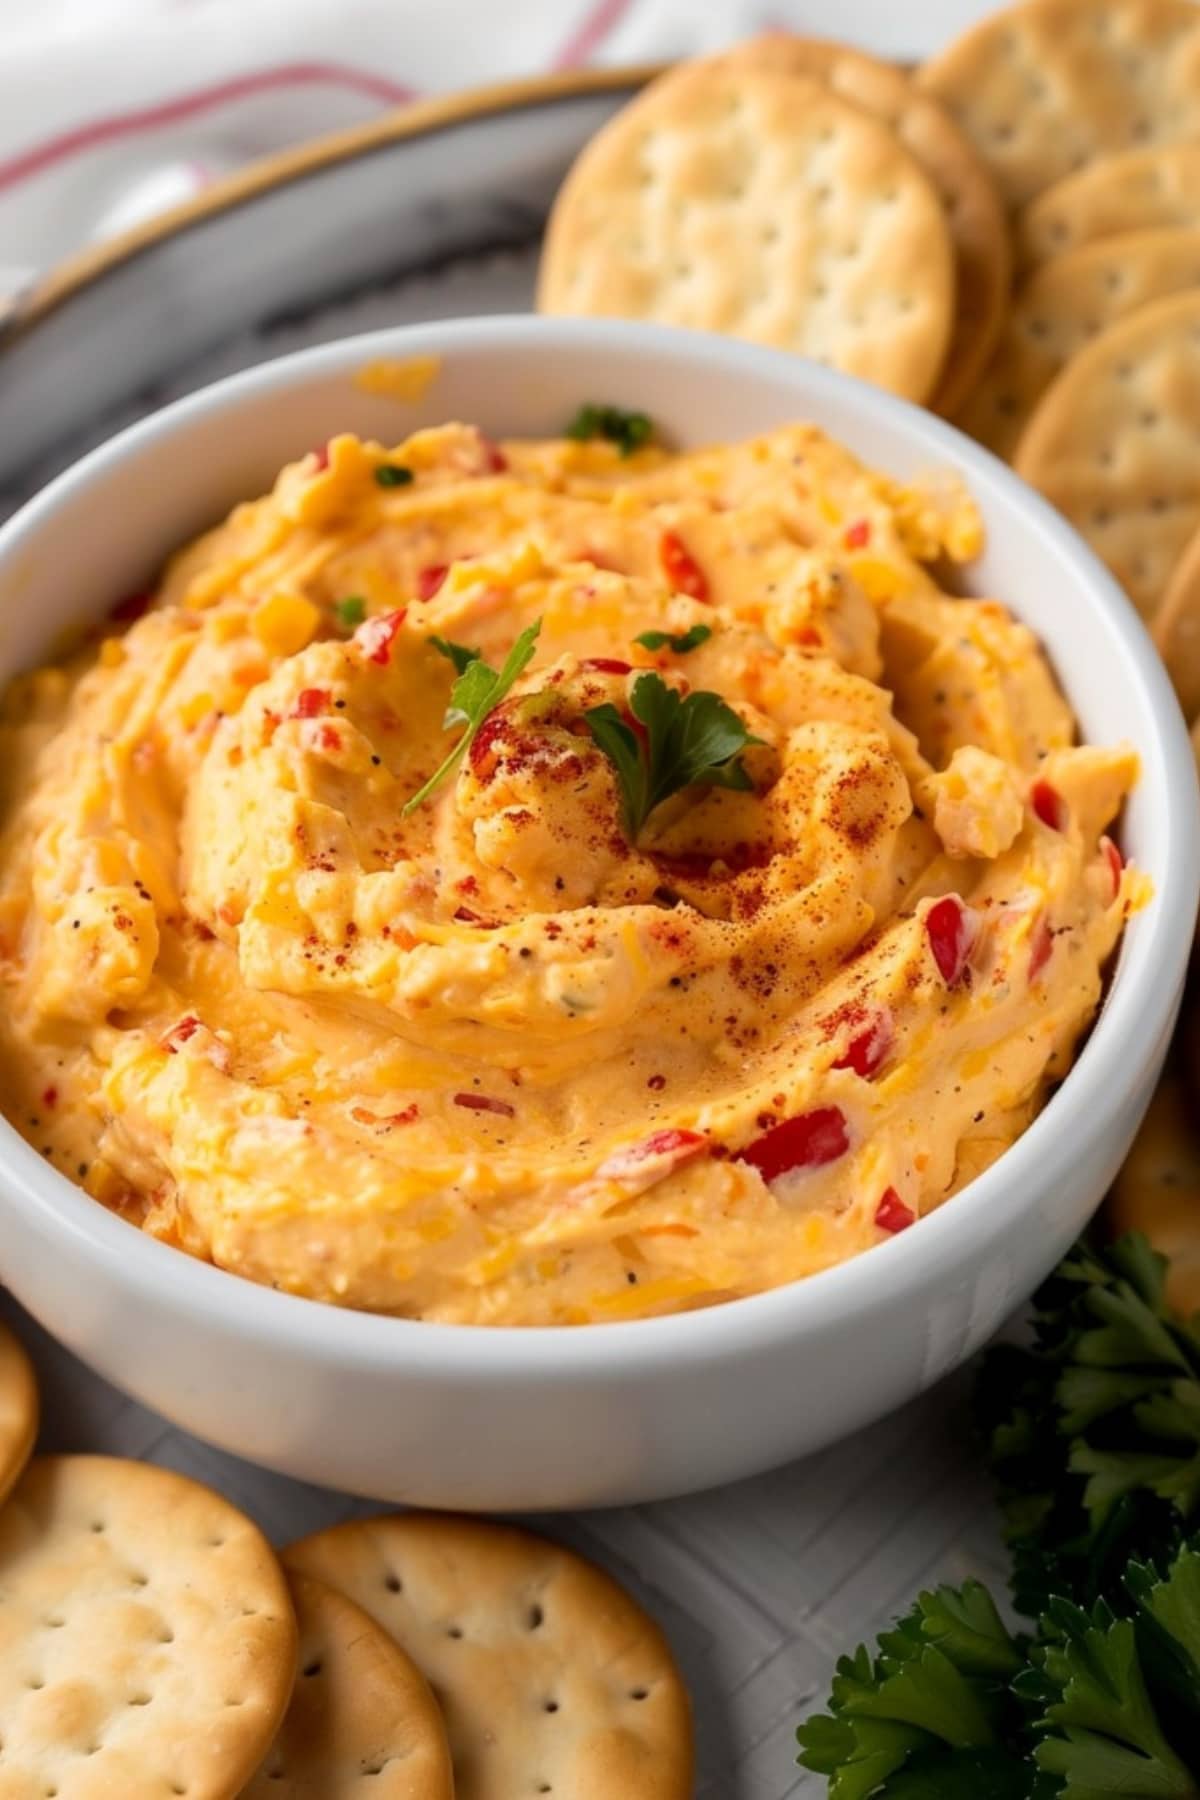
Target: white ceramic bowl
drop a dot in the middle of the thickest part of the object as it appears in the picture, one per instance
(536, 1418)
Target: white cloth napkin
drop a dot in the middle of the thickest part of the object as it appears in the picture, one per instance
(111, 110)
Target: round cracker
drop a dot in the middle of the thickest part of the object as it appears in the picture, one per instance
(360, 1708)
(1043, 88)
(18, 1410)
(1177, 627)
(1141, 190)
(760, 204)
(147, 1641)
(978, 227)
(1113, 443)
(551, 1679)
(1158, 1192)
(1061, 307)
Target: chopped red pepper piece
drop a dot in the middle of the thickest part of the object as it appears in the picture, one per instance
(494, 459)
(311, 703)
(1116, 863)
(869, 1049)
(607, 665)
(430, 579)
(805, 1142)
(405, 1116)
(858, 535)
(50, 1098)
(483, 757)
(891, 1214)
(376, 636)
(951, 929)
(671, 1146)
(130, 608)
(1048, 805)
(328, 737)
(180, 1033)
(1041, 944)
(681, 568)
(485, 1103)
(321, 459)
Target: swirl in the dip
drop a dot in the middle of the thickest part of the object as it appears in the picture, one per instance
(527, 1051)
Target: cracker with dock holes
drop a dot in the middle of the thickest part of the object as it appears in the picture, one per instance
(361, 1718)
(1142, 190)
(551, 1680)
(978, 227)
(1062, 306)
(1113, 443)
(1176, 628)
(147, 1640)
(1158, 1191)
(18, 1410)
(760, 204)
(1044, 88)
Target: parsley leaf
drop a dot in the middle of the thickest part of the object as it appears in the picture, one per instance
(478, 690)
(691, 639)
(390, 475)
(692, 742)
(1103, 1732)
(629, 431)
(458, 654)
(350, 612)
(931, 1713)
(1094, 1432)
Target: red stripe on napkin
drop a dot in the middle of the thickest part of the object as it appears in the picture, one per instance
(591, 33)
(185, 106)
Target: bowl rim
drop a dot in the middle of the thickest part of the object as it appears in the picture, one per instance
(69, 277)
(1133, 1021)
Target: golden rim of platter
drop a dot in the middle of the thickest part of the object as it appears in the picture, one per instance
(421, 118)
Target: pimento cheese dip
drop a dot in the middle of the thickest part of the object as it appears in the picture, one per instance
(757, 913)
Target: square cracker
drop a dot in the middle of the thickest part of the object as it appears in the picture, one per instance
(760, 204)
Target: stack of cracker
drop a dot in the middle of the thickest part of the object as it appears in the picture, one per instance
(153, 1644)
(1088, 117)
(804, 195)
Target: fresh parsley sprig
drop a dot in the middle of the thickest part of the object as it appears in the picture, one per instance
(1093, 1433)
(350, 612)
(629, 431)
(680, 642)
(458, 654)
(477, 691)
(1117, 1687)
(1103, 1703)
(931, 1712)
(695, 741)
